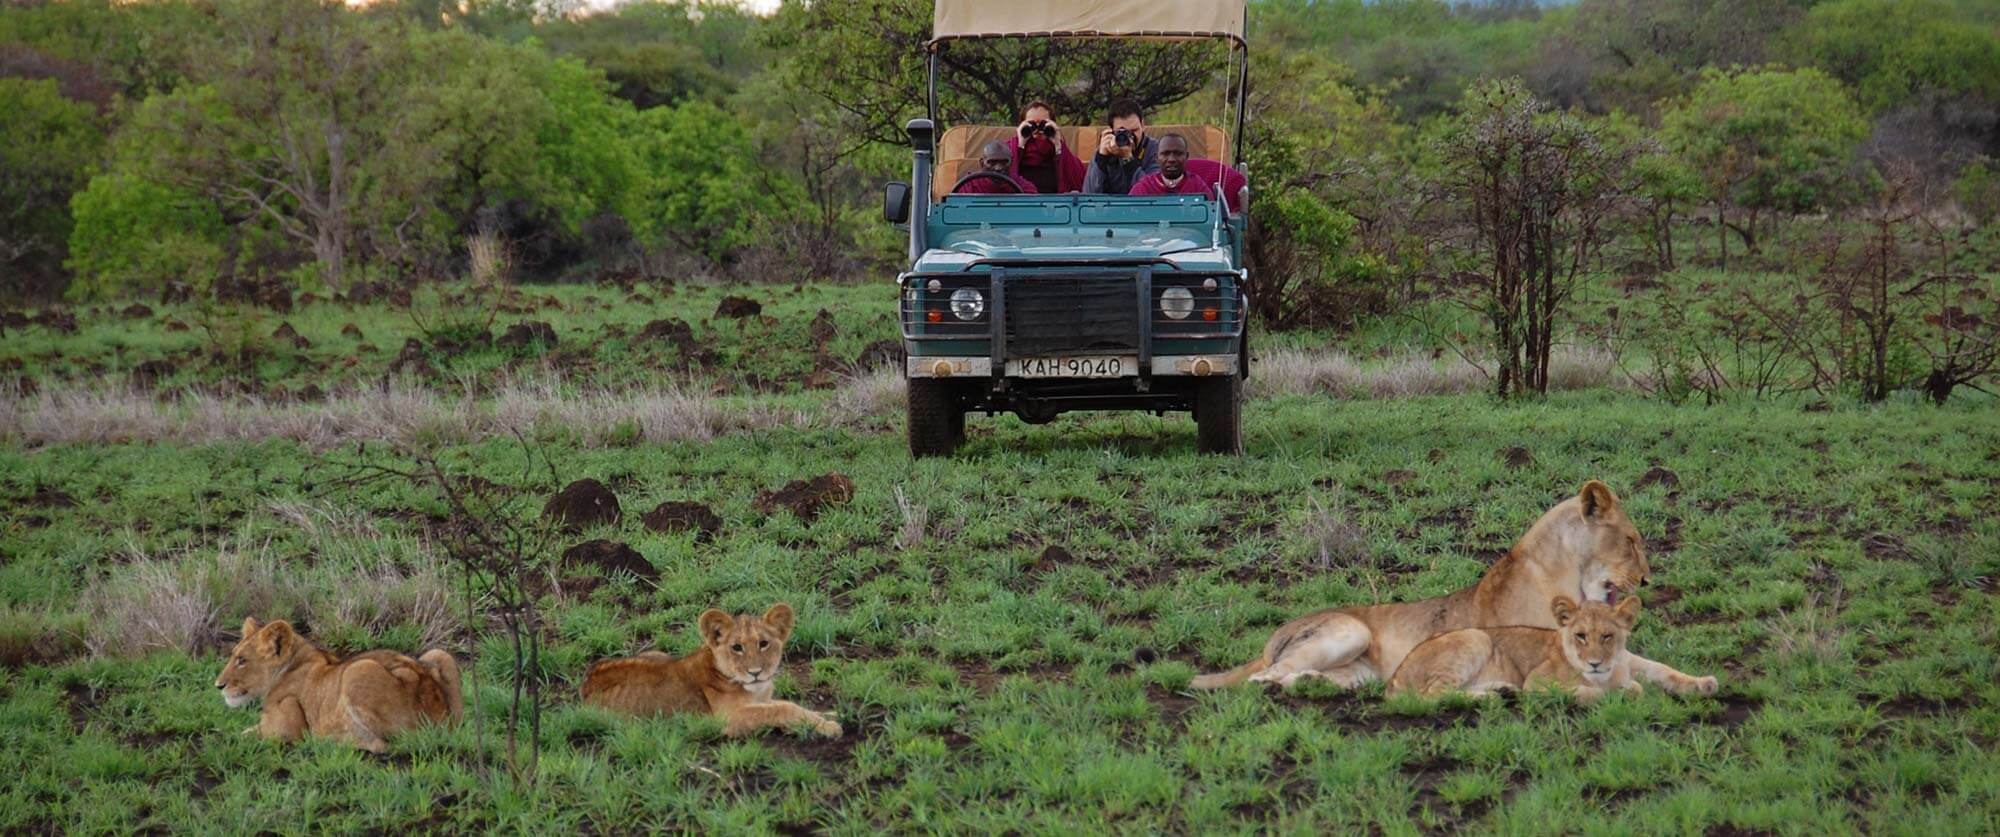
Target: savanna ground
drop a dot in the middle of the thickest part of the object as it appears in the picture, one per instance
(973, 621)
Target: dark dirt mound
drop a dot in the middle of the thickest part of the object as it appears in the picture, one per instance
(173, 325)
(806, 498)
(1051, 557)
(412, 359)
(527, 333)
(136, 311)
(46, 497)
(175, 293)
(673, 330)
(822, 328)
(1399, 476)
(583, 503)
(681, 516)
(612, 557)
(1657, 476)
(1517, 457)
(150, 373)
(53, 320)
(351, 331)
(287, 334)
(737, 308)
(881, 353)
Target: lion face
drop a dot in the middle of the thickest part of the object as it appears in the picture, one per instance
(1617, 556)
(258, 660)
(1593, 635)
(748, 649)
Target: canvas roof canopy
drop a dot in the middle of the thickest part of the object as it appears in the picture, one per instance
(1160, 19)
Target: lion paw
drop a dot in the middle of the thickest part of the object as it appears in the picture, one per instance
(1703, 686)
(828, 727)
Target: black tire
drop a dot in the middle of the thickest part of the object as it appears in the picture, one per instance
(937, 423)
(1218, 415)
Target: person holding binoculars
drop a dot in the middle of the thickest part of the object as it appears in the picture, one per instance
(1124, 152)
(1039, 155)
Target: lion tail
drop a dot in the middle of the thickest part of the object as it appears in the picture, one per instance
(1231, 677)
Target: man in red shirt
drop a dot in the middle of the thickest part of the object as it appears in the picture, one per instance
(995, 159)
(1173, 178)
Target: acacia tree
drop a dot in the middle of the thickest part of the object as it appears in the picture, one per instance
(1536, 186)
(866, 58)
(1767, 140)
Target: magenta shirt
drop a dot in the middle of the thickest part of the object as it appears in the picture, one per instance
(1154, 184)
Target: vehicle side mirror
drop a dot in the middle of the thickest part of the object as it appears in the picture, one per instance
(896, 203)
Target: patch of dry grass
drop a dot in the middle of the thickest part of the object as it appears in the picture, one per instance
(403, 413)
(352, 587)
(1336, 373)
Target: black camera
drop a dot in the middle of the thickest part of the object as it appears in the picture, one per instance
(1123, 136)
(1031, 129)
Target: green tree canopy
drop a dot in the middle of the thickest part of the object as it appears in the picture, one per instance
(48, 145)
(1769, 139)
(1890, 51)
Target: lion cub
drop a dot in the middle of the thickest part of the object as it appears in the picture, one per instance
(730, 677)
(362, 700)
(1585, 656)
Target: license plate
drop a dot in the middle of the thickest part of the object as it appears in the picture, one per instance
(1093, 366)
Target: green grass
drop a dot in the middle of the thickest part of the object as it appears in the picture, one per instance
(1836, 569)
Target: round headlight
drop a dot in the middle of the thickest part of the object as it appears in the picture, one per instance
(1177, 303)
(967, 304)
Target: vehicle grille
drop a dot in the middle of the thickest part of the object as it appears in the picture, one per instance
(1054, 315)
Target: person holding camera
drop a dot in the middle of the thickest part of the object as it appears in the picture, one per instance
(1124, 152)
(1039, 155)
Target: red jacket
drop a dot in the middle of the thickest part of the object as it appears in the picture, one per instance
(1069, 169)
(1232, 180)
(1156, 184)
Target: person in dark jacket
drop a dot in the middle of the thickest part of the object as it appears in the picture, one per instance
(1173, 178)
(1124, 152)
(1041, 157)
(995, 159)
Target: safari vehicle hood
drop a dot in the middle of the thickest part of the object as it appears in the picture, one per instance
(967, 230)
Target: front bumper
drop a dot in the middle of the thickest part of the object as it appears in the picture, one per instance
(943, 366)
(1047, 311)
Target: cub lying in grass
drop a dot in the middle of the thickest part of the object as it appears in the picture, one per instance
(730, 677)
(1584, 655)
(362, 700)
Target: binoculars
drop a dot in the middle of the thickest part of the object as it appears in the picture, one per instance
(1045, 129)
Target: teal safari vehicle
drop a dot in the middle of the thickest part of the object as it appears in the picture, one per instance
(1038, 305)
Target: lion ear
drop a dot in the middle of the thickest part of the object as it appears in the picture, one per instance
(276, 637)
(714, 623)
(780, 618)
(1598, 501)
(249, 626)
(1564, 609)
(1628, 611)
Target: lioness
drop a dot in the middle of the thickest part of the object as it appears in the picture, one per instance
(730, 677)
(1584, 545)
(363, 699)
(1584, 655)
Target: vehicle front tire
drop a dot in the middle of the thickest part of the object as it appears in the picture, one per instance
(1218, 415)
(936, 421)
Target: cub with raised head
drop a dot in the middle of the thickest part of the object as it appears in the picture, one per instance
(362, 700)
(730, 677)
(1585, 546)
(1585, 655)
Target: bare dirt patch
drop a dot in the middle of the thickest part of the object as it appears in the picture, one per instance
(582, 504)
(807, 498)
(683, 516)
